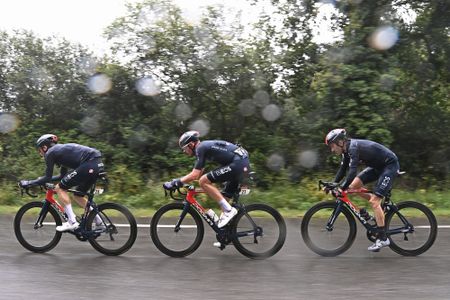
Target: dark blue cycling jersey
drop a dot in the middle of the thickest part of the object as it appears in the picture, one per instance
(370, 153)
(66, 156)
(218, 151)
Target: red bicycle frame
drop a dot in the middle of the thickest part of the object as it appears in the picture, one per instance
(343, 196)
(190, 198)
(49, 197)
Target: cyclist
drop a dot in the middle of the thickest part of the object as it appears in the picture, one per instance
(85, 164)
(382, 166)
(234, 163)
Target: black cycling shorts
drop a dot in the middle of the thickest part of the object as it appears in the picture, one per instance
(384, 177)
(82, 177)
(232, 174)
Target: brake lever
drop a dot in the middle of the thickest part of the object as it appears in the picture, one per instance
(320, 184)
(27, 191)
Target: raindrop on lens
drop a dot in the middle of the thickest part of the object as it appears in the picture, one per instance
(383, 38)
(183, 111)
(247, 107)
(8, 122)
(99, 84)
(148, 87)
(307, 159)
(202, 126)
(271, 112)
(275, 162)
(261, 98)
(90, 125)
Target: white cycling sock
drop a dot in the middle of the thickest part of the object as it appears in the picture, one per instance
(225, 205)
(70, 214)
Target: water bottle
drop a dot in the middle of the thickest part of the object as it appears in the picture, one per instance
(365, 214)
(212, 215)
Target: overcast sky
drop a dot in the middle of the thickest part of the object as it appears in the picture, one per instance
(84, 20)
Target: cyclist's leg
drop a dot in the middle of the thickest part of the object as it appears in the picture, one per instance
(82, 177)
(382, 187)
(223, 174)
(365, 176)
(68, 181)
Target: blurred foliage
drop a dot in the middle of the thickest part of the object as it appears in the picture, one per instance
(220, 73)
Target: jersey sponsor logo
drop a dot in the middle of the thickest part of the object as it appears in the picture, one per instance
(241, 152)
(218, 148)
(385, 181)
(71, 175)
(222, 171)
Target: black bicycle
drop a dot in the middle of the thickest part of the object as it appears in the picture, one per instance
(329, 228)
(258, 231)
(35, 223)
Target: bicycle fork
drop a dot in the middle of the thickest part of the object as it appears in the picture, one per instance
(334, 215)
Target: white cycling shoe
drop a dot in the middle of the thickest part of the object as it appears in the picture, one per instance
(226, 217)
(379, 244)
(67, 226)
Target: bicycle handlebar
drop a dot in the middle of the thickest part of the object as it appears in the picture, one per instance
(328, 185)
(26, 190)
(179, 197)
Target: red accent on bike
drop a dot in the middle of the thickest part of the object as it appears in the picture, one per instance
(49, 197)
(190, 197)
(358, 191)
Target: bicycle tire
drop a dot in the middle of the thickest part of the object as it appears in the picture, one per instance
(118, 230)
(425, 228)
(265, 243)
(32, 238)
(181, 243)
(314, 223)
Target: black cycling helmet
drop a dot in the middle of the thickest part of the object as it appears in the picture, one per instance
(187, 137)
(335, 135)
(47, 140)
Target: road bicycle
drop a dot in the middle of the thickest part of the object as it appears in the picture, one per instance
(258, 231)
(35, 223)
(329, 227)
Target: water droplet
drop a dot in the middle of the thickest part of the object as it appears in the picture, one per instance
(383, 38)
(247, 107)
(183, 111)
(8, 122)
(271, 112)
(202, 126)
(275, 162)
(99, 84)
(261, 98)
(147, 86)
(308, 158)
(90, 125)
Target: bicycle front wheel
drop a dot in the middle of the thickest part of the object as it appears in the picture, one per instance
(115, 229)
(35, 228)
(176, 232)
(258, 231)
(328, 240)
(412, 229)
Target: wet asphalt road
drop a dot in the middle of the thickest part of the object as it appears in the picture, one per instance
(74, 270)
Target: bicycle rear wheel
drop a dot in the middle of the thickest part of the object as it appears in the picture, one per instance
(41, 237)
(116, 229)
(412, 229)
(328, 241)
(172, 241)
(258, 231)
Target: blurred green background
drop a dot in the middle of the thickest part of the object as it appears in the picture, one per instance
(272, 87)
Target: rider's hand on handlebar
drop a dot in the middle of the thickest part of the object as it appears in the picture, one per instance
(173, 184)
(329, 187)
(24, 184)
